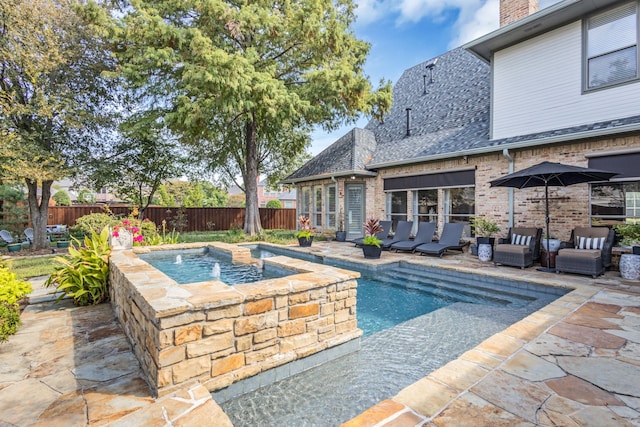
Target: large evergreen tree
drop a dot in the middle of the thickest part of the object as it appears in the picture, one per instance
(52, 95)
(245, 81)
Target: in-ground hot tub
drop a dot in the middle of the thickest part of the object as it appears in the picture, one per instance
(217, 334)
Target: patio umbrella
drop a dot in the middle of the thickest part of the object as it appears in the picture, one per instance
(549, 173)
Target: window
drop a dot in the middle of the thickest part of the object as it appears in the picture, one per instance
(615, 203)
(305, 201)
(317, 206)
(330, 206)
(397, 207)
(459, 206)
(612, 46)
(426, 205)
(288, 204)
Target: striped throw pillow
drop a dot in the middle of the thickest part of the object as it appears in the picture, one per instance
(517, 239)
(590, 242)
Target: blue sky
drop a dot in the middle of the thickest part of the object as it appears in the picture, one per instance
(403, 33)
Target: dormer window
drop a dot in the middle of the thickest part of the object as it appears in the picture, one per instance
(612, 46)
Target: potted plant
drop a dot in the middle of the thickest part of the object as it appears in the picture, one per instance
(371, 244)
(484, 230)
(305, 231)
(629, 234)
(14, 247)
(341, 235)
(550, 244)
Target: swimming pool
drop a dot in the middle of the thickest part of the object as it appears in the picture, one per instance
(203, 264)
(394, 355)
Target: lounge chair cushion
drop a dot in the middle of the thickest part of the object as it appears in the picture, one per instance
(513, 249)
(580, 253)
(520, 239)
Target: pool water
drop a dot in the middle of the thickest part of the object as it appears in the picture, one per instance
(200, 266)
(415, 320)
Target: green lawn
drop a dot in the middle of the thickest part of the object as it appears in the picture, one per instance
(33, 266)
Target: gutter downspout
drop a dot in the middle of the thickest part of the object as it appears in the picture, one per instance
(335, 181)
(505, 153)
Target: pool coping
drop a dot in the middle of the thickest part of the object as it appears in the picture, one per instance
(448, 392)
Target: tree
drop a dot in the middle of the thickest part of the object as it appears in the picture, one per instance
(140, 158)
(53, 98)
(244, 82)
(274, 204)
(62, 198)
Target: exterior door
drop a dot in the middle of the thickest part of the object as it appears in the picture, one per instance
(354, 210)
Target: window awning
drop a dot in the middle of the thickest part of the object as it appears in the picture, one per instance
(462, 178)
(625, 164)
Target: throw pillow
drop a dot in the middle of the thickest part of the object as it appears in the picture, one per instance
(517, 239)
(590, 242)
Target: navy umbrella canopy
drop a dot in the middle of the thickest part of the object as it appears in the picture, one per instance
(548, 173)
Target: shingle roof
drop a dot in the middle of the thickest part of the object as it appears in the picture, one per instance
(451, 115)
(349, 153)
(452, 118)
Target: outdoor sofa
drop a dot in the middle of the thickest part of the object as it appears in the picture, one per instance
(587, 252)
(521, 247)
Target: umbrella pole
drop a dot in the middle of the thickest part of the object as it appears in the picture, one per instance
(546, 202)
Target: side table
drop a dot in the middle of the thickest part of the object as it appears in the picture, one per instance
(552, 259)
(630, 266)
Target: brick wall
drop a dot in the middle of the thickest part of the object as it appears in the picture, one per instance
(217, 334)
(514, 10)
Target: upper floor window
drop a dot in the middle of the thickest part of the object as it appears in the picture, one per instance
(612, 46)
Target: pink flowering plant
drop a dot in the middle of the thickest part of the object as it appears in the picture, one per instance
(142, 231)
(371, 227)
(305, 229)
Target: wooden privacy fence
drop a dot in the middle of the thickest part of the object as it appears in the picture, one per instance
(193, 219)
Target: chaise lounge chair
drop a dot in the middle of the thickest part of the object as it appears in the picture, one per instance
(450, 239)
(520, 248)
(6, 237)
(403, 231)
(386, 227)
(587, 252)
(424, 235)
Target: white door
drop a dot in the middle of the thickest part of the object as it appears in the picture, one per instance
(354, 212)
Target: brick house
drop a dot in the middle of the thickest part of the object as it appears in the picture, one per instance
(560, 84)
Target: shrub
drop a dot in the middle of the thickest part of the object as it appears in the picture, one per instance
(274, 204)
(9, 320)
(11, 291)
(84, 274)
(94, 222)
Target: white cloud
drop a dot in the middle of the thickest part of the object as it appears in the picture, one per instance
(476, 22)
(369, 11)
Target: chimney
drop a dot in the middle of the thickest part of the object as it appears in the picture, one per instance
(515, 10)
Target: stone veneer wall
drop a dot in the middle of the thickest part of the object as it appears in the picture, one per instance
(217, 334)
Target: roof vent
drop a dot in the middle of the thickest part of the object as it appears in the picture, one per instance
(408, 121)
(429, 66)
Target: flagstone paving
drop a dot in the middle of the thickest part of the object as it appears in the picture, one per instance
(576, 362)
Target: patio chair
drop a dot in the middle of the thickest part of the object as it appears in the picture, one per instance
(386, 228)
(449, 239)
(403, 231)
(6, 237)
(28, 233)
(424, 235)
(587, 252)
(521, 247)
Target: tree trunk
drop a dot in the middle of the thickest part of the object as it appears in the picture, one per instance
(39, 212)
(252, 225)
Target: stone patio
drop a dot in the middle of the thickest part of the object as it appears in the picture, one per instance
(576, 362)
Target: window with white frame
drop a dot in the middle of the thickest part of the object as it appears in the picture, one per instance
(460, 206)
(396, 207)
(330, 206)
(611, 46)
(425, 205)
(615, 203)
(317, 206)
(304, 203)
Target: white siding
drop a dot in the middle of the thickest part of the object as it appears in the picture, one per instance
(537, 87)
